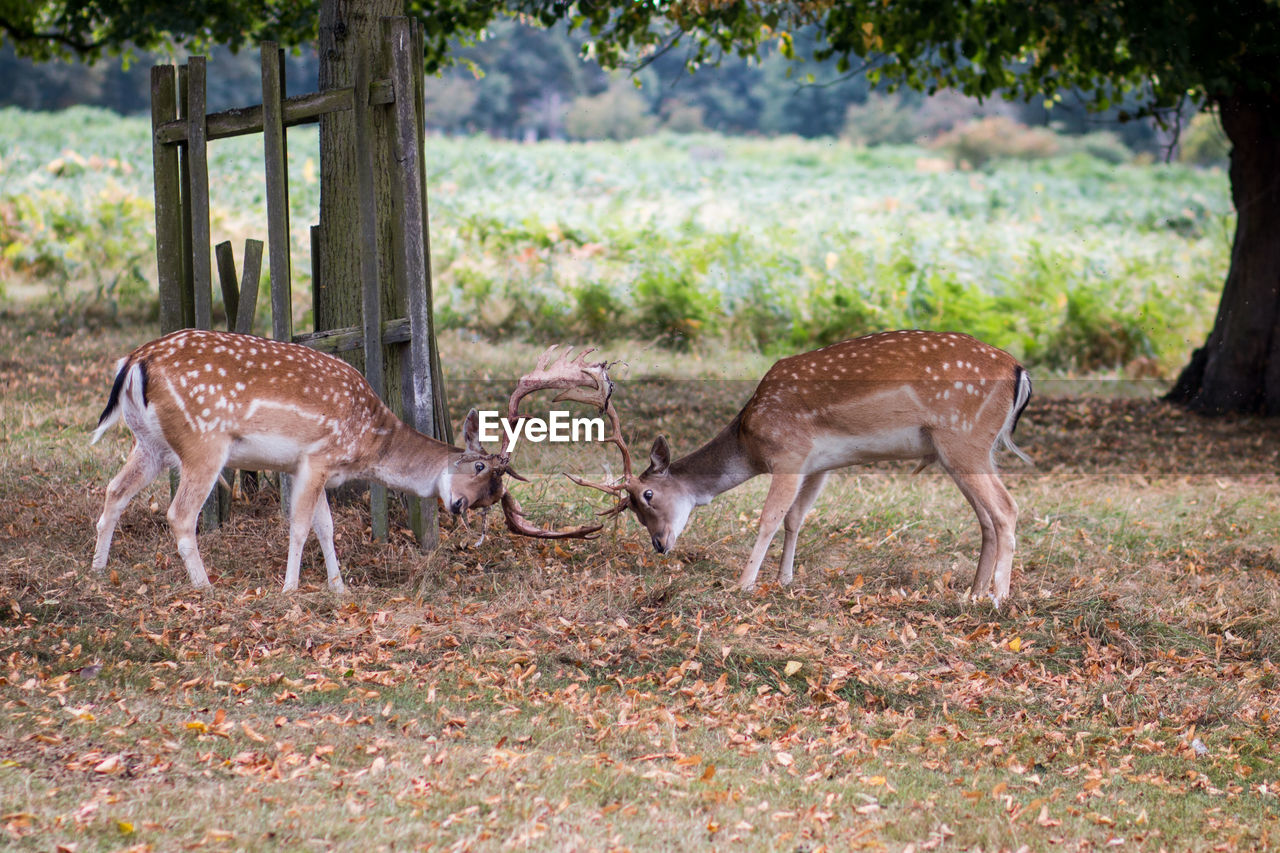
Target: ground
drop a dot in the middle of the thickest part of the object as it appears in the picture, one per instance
(594, 695)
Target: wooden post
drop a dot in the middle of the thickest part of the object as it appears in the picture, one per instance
(227, 281)
(184, 170)
(198, 200)
(444, 425)
(168, 190)
(370, 280)
(276, 159)
(248, 307)
(411, 273)
(277, 172)
(195, 203)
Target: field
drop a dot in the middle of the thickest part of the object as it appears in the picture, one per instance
(596, 696)
(1074, 264)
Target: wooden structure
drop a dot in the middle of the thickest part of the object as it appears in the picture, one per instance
(181, 132)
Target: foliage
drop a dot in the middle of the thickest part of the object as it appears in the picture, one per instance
(1165, 52)
(1073, 263)
(517, 80)
(1203, 143)
(75, 231)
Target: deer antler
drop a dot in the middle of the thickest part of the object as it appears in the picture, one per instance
(517, 523)
(583, 382)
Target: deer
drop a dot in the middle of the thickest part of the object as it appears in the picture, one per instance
(927, 396)
(205, 400)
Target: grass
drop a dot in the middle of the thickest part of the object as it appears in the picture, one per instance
(538, 696)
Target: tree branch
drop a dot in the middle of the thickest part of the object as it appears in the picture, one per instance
(657, 54)
(19, 33)
(848, 75)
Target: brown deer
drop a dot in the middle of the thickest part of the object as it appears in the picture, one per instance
(205, 400)
(929, 396)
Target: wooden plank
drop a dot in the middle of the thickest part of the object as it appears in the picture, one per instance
(248, 307)
(168, 194)
(370, 279)
(300, 109)
(198, 174)
(276, 160)
(240, 319)
(227, 281)
(334, 341)
(275, 157)
(184, 169)
(411, 273)
(314, 232)
(410, 253)
(218, 505)
(444, 424)
(231, 300)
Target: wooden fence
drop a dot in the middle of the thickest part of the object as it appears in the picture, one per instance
(181, 132)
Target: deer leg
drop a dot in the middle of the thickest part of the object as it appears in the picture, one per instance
(197, 480)
(1004, 512)
(322, 524)
(997, 515)
(809, 491)
(138, 471)
(308, 490)
(782, 493)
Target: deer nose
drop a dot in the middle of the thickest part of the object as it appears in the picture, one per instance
(458, 506)
(657, 544)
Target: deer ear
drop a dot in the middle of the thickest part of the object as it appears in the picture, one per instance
(659, 456)
(471, 432)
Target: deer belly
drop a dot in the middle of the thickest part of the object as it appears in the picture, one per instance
(266, 452)
(838, 451)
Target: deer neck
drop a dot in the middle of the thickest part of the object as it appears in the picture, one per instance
(412, 462)
(718, 466)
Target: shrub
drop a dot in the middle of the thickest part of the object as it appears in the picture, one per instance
(617, 113)
(880, 120)
(1203, 143)
(671, 306)
(597, 310)
(996, 138)
(680, 117)
(1104, 145)
(1096, 334)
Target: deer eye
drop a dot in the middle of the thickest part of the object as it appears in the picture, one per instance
(648, 495)
(479, 467)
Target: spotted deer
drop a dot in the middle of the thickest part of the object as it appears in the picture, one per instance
(904, 395)
(205, 400)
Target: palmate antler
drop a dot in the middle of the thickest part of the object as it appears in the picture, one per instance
(583, 382)
(517, 523)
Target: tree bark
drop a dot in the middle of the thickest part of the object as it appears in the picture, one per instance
(1238, 368)
(348, 27)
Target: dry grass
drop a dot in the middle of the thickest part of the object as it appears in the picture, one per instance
(530, 695)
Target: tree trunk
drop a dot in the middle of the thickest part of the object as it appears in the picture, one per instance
(346, 28)
(1238, 368)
